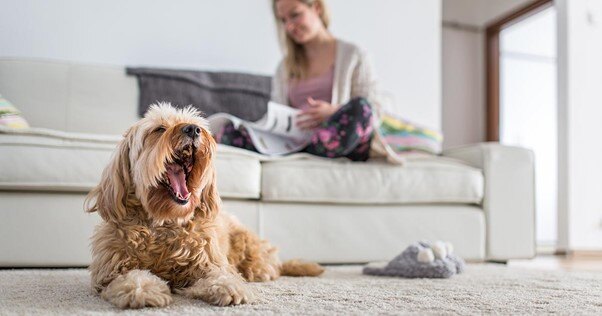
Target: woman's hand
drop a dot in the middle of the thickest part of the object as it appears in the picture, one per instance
(317, 112)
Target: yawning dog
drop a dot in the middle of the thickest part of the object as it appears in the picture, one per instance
(163, 230)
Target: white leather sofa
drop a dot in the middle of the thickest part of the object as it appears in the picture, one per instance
(481, 197)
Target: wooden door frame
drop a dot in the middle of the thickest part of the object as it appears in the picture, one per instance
(492, 61)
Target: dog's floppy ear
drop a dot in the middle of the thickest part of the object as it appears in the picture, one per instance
(210, 203)
(109, 197)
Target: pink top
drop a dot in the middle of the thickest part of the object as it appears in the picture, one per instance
(319, 88)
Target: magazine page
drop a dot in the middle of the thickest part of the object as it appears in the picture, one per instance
(274, 134)
(219, 120)
(281, 120)
(274, 144)
(277, 132)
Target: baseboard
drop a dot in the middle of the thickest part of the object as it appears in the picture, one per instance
(584, 254)
(547, 249)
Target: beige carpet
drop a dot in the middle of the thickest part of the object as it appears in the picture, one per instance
(482, 289)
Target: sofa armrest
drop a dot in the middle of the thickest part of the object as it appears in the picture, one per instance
(509, 199)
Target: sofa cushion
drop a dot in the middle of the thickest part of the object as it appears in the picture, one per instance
(419, 180)
(49, 160)
(238, 173)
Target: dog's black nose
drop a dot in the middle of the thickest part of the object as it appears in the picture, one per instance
(191, 130)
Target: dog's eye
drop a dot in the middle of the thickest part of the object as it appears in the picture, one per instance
(160, 129)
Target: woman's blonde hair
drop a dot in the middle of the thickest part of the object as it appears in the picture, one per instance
(295, 60)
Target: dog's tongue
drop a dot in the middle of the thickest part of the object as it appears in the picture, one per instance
(177, 180)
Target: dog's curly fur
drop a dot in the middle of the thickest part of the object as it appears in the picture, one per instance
(154, 241)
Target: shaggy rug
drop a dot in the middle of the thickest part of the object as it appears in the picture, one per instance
(482, 289)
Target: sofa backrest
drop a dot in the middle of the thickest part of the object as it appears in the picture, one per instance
(70, 97)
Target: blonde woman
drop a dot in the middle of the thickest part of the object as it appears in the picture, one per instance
(328, 79)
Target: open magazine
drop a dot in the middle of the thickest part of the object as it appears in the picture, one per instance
(276, 133)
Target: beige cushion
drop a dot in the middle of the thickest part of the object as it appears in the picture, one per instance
(420, 180)
(49, 160)
(238, 173)
(39, 159)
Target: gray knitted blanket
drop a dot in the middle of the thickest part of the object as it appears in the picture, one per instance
(240, 94)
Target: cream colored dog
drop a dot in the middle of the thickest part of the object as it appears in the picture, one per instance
(163, 231)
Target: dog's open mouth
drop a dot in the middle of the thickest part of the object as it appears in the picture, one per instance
(176, 175)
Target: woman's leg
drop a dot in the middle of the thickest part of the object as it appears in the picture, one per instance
(347, 133)
(240, 138)
(361, 151)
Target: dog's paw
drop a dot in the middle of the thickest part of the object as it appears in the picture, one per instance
(261, 273)
(138, 289)
(228, 293)
(221, 291)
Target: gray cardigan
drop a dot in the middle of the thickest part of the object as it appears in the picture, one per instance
(353, 77)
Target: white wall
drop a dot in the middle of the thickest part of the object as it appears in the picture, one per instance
(580, 113)
(180, 33)
(463, 87)
(403, 37)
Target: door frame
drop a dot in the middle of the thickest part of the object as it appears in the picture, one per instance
(492, 61)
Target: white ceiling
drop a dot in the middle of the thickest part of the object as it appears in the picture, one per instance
(478, 12)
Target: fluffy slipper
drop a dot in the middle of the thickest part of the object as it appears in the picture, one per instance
(422, 260)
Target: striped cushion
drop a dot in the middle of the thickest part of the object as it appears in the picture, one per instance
(10, 116)
(406, 137)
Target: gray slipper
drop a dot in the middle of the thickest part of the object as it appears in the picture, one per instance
(422, 260)
(448, 253)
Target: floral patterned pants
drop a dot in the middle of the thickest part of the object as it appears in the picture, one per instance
(347, 133)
